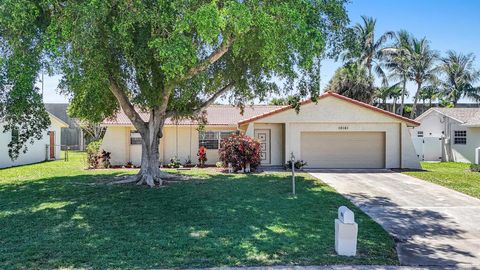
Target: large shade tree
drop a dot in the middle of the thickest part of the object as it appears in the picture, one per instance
(21, 109)
(170, 58)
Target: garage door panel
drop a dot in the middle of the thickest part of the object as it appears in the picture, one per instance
(343, 149)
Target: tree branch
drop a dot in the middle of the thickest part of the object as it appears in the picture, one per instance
(209, 101)
(212, 99)
(212, 58)
(127, 107)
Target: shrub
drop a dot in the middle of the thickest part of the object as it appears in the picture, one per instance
(298, 165)
(174, 163)
(92, 154)
(239, 149)
(96, 158)
(475, 167)
(103, 159)
(202, 156)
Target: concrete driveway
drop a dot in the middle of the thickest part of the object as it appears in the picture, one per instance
(432, 225)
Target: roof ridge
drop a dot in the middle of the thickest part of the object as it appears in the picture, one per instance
(336, 95)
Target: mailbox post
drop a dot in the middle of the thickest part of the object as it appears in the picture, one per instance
(346, 232)
(292, 158)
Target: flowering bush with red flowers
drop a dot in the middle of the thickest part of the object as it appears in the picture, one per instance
(239, 150)
(202, 156)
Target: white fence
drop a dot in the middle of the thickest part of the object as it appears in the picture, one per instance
(428, 148)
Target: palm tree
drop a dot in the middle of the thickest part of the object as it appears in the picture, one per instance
(368, 49)
(382, 94)
(460, 75)
(352, 81)
(422, 67)
(430, 93)
(395, 93)
(398, 62)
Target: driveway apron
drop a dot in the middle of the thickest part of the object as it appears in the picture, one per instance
(432, 225)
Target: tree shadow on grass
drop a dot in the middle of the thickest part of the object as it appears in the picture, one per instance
(222, 220)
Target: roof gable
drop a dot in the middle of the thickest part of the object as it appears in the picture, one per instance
(469, 116)
(57, 121)
(327, 110)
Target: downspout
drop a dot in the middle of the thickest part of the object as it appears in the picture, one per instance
(190, 156)
(176, 140)
(401, 147)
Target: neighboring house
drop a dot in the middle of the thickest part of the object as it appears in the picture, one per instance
(335, 132)
(72, 135)
(47, 148)
(448, 134)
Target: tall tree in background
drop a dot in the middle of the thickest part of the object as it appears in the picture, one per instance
(430, 92)
(395, 93)
(398, 61)
(169, 58)
(459, 76)
(353, 81)
(382, 94)
(423, 67)
(367, 50)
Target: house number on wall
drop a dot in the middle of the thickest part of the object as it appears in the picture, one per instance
(342, 128)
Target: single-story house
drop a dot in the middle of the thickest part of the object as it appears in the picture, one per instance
(447, 134)
(334, 132)
(47, 148)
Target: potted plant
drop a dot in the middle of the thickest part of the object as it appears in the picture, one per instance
(202, 156)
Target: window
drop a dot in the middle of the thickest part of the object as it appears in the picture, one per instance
(211, 139)
(208, 139)
(460, 137)
(420, 134)
(135, 137)
(14, 135)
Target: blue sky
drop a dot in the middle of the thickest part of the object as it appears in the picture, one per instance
(448, 24)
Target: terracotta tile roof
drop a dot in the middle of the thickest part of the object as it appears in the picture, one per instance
(331, 94)
(230, 115)
(468, 116)
(216, 115)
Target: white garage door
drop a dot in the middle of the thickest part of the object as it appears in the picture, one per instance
(343, 149)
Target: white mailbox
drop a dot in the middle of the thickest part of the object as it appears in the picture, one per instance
(346, 232)
(346, 215)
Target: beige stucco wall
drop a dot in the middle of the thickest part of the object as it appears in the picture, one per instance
(437, 125)
(276, 141)
(463, 152)
(178, 141)
(432, 125)
(115, 142)
(36, 152)
(392, 137)
(335, 115)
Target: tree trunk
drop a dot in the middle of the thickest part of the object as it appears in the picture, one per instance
(150, 172)
(150, 167)
(394, 105)
(415, 99)
(402, 103)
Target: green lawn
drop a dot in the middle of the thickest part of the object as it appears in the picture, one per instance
(454, 175)
(57, 215)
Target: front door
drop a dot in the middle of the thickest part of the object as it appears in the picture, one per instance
(52, 144)
(263, 136)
